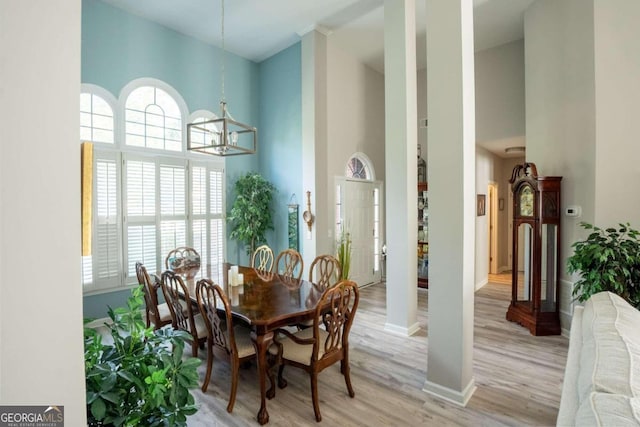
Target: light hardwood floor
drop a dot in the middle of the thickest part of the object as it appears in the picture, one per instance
(519, 377)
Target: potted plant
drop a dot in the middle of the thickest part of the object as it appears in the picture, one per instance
(607, 260)
(250, 215)
(141, 378)
(344, 254)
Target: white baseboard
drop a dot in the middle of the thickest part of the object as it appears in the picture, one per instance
(481, 283)
(460, 398)
(503, 269)
(401, 330)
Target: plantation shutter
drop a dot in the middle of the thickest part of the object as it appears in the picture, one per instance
(101, 269)
(173, 220)
(140, 214)
(216, 221)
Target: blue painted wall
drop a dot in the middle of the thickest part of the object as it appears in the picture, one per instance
(280, 130)
(118, 47)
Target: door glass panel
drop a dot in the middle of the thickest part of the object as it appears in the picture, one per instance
(525, 263)
(549, 268)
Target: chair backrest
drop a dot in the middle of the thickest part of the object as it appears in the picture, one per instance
(288, 262)
(262, 258)
(173, 287)
(336, 310)
(149, 288)
(216, 312)
(183, 260)
(326, 269)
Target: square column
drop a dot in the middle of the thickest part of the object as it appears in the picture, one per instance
(401, 139)
(451, 161)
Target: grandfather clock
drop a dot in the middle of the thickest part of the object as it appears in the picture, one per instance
(536, 250)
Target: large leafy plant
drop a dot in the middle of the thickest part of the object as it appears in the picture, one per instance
(607, 260)
(250, 216)
(140, 379)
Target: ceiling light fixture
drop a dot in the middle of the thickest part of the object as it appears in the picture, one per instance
(223, 136)
(515, 150)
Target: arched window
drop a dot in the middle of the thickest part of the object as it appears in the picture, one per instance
(359, 167)
(153, 119)
(96, 114)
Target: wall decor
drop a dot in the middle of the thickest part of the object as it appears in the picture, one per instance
(292, 223)
(481, 205)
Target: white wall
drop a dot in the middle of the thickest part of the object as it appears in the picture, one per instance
(617, 98)
(355, 117)
(499, 79)
(560, 113)
(41, 356)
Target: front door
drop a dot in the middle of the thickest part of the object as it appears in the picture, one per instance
(359, 218)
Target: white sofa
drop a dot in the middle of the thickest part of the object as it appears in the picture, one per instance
(602, 377)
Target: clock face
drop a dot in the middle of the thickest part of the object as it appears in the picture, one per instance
(526, 201)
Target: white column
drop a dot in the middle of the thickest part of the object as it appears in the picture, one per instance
(450, 85)
(41, 356)
(314, 137)
(401, 141)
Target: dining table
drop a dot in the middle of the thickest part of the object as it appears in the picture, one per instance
(264, 301)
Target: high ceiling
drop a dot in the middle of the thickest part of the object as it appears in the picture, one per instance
(258, 29)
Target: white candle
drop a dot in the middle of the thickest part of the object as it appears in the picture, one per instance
(240, 283)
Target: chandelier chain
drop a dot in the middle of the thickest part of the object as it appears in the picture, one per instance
(223, 53)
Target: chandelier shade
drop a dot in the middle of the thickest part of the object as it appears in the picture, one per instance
(222, 136)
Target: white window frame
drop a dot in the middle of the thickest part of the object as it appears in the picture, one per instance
(122, 153)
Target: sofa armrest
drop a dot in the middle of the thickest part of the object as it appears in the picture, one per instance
(569, 402)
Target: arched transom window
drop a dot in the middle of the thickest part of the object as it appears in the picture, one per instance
(358, 167)
(153, 120)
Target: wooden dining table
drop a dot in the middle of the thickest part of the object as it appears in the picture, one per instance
(265, 301)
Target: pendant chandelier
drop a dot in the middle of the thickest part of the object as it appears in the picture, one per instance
(222, 136)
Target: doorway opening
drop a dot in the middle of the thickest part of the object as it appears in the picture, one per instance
(359, 213)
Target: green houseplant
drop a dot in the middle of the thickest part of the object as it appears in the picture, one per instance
(140, 379)
(250, 216)
(344, 254)
(607, 260)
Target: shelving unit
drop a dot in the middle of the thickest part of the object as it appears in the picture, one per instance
(423, 236)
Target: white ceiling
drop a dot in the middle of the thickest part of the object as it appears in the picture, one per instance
(258, 29)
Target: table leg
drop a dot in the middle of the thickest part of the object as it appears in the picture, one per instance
(261, 343)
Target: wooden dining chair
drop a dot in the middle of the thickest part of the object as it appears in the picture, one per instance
(314, 349)
(182, 316)
(232, 342)
(184, 261)
(158, 314)
(326, 269)
(323, 273)
(290, 264)
(262, 258)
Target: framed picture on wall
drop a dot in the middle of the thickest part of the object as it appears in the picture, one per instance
(481, 205)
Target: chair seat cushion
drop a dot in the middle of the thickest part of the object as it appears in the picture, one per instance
(164, 313)
(201, 327)
(243, 342)
(301, 353)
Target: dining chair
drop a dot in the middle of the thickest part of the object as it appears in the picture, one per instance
(314, 349)
(326, 269)
(158, 314)
(182, 316)
(288, 262)
(184, 261)
(232, 342)
(262, 258)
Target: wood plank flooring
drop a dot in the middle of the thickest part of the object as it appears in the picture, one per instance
(519, 377)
